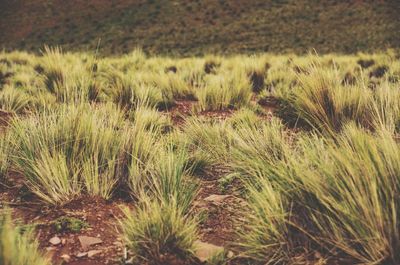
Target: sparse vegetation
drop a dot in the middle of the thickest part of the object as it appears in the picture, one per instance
(71, 224)
(157, 229)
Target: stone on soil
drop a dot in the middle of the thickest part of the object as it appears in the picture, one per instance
(66, 257)
(81, 254)
(205, 251)
(215, 198)
(55, 240)
(92, 253)
(87, 241)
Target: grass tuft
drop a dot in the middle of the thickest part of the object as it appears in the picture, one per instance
(17, 247)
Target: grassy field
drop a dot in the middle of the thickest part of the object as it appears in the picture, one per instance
(198, 27)
(267, 159)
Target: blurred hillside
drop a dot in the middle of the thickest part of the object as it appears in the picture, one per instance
(194, 27)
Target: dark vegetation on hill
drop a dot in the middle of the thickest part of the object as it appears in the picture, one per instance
(194, 27)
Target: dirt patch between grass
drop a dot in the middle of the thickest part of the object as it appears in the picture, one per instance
(5, 118)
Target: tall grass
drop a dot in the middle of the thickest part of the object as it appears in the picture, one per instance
(141, 149)
(130, 92)
(325, 103)
(14, 100)
(54, 68)
(150, 119)
(17, 247)
(385, 108)
(224, 92)
(210, 140)
(4, 156)
(170, 179)
(66, 150)
(256, 148)
(157, 229)
(339, 195)
(266, 237)
(357, 188)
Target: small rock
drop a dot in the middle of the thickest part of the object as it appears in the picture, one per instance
(207, 230)
(50, 248)
(118, 244)
(215, 198)
(205, 251)
(87, 241)
(92, 253)
(63, 241)
(66, 257)
(55, 240)
(81, 254)
(200, 204)
(230, 254)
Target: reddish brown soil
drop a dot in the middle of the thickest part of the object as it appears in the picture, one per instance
(5, 117)
(216, 115)
(218, 228)
(101, 216)
(270, 104)
(186, 108)
(221, 219)
(181, 110)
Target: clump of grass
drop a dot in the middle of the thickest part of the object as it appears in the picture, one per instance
(317, 191)
(66, 150)
(245, 115)
(385, 108)
(325, 104)
(172, 84)
(129, 93)
(223, 92)
(170, 178)
(150, 119)
(256, 72)
(255, 153)
(361, 226)
(141, 150)
(14, 100)
(256, 147)
(267, 237)
(78, 89)
(211, 140)
(53, 74)
(4, 155)
(159, 228)
(17, 246)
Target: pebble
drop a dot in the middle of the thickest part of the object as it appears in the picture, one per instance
(81, 254)
(92, 253)
(55, 240)
(66, 257)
